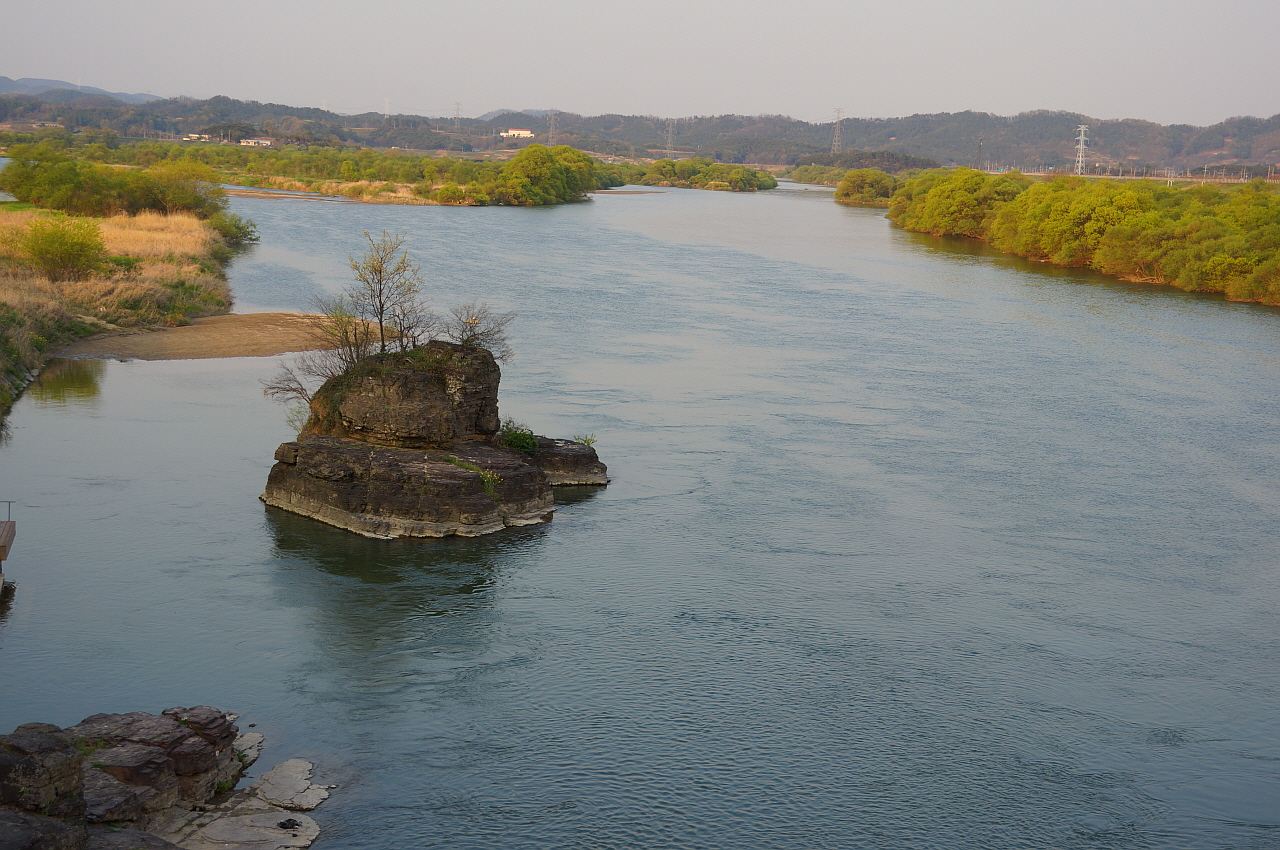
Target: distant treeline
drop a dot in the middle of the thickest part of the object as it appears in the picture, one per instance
(831, 169)
(88, 180)
(1201, 239)
(700, 173)
(888, 161)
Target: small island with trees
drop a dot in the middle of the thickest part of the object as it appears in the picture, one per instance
(402, 438)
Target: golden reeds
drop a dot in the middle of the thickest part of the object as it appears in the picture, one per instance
(150, 234)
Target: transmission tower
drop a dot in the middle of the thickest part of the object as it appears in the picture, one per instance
(671, 135)
(551, 133)
(835, 135)
(457, 116)
(1082, 142)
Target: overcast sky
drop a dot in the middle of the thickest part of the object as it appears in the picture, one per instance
(1172, 61)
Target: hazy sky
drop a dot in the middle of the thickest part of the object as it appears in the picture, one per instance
(1172, 61)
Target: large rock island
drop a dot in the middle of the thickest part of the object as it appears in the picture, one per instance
(410, 444)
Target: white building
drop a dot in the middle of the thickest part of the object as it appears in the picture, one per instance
(514, 133)
(257, 143)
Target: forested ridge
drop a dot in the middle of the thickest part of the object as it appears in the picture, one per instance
(1201, 239)
(1036, 139)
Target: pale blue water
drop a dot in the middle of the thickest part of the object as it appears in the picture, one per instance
(909, 545)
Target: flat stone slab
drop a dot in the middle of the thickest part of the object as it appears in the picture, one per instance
(264, 816)
(288, 785)
(262, 831)
(249, 746)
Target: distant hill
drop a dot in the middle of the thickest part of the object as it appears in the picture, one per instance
(31, 85)
(1030, 140)
(489, 116)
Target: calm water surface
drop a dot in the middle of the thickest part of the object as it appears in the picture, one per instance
(909, 545)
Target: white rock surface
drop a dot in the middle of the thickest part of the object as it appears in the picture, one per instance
(264, 816)
(289, 786)
(249, 746)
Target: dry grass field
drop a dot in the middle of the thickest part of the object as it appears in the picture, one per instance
(160, 270)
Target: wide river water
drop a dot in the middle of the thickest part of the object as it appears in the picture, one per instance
(909, 545)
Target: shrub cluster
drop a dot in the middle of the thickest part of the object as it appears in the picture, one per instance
(698, 173)
(867, 187)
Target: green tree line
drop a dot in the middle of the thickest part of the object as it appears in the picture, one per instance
(48, 177)
(1201, 239)
(700, 173)
(81, 180)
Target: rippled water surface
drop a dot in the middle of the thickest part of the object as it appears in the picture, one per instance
(909, 545)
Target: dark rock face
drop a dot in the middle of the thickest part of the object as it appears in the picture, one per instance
(443, 392)
(569, 462)
(403, 446)
(40, 772)
(408, 493)
(26, 831)
(173, 776)
(111, 768)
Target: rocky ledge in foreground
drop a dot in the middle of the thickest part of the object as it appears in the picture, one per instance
(409, 445)
(140, 780)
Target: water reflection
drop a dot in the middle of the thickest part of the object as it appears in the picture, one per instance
(451, 566)
(66, 383)
(394, 621)
(6, 600)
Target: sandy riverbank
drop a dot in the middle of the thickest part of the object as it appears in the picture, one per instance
(237, 335)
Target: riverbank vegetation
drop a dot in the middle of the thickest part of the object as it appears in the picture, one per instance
(830, 169)
(698, 173)
(867, 187)
(536, 176)
(1201, 238)
(88, 247)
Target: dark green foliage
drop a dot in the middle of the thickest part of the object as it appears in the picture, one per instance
(514, 435)
(1201, 239)
(235, 229)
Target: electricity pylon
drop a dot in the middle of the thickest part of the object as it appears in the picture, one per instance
(1082, 140)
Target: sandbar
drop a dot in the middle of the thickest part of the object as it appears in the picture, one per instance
(236, 335)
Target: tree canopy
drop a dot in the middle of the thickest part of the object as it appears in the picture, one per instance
(1202, 239)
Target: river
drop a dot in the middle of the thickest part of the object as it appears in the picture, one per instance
(909, 545)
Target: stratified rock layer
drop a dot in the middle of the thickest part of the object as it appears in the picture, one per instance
(405, 445)
(569, 462)
(139, 781)
(380, 492)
